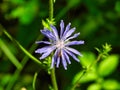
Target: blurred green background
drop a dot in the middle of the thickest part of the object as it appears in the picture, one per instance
(98, 21)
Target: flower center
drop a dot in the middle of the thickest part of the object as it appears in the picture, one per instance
(60, 44)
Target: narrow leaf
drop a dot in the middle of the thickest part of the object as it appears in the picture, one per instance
(34, 80)
(9, 54)
(22, 48)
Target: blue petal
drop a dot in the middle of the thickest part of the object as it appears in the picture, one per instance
(48, 52)
(72, 55)
(58, 57)
(55, 31)
(73, 51)
(45, 42)
(63, 60)
(69, 33)
(48, 34)
(66, 30)
(67, 57)
(74, 43)
(54, 58)
(58, 62)
(72, 37)
(53, 62)
(42, 50)
(61, 28)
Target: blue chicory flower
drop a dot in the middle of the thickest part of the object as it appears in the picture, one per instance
(60, 45)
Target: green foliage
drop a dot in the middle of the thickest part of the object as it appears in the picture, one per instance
(96, 20)
(117, 6)
(91, 76)
(47, 23)
(87, 59)
(105, 50)
(5, 80)
(21, 47)
(17, 1)
(94, 87)
(107, 66)
(111, 84)
(25, 12)
(97, 73)
(73, 3)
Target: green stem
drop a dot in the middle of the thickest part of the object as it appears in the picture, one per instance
(34, 80)
(77, 82)
(53, 78)
(98, 58)
(51, 9)
(86, 71)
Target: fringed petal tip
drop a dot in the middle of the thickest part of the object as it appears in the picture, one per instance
(61, 20)
(36, 51)
(69, 23)
(82, 42)
(65, 68)
(45, 42)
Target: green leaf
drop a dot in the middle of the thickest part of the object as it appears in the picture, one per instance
(117, 6)
(9, 54)
(108, 65)
(46, 24)
(25, 12)
(111, 85)
(94, 86)
(89, 76)
(87, 59)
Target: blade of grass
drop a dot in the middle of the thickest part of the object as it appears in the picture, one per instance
(23, 62)
(9, 54)
(21, 47)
